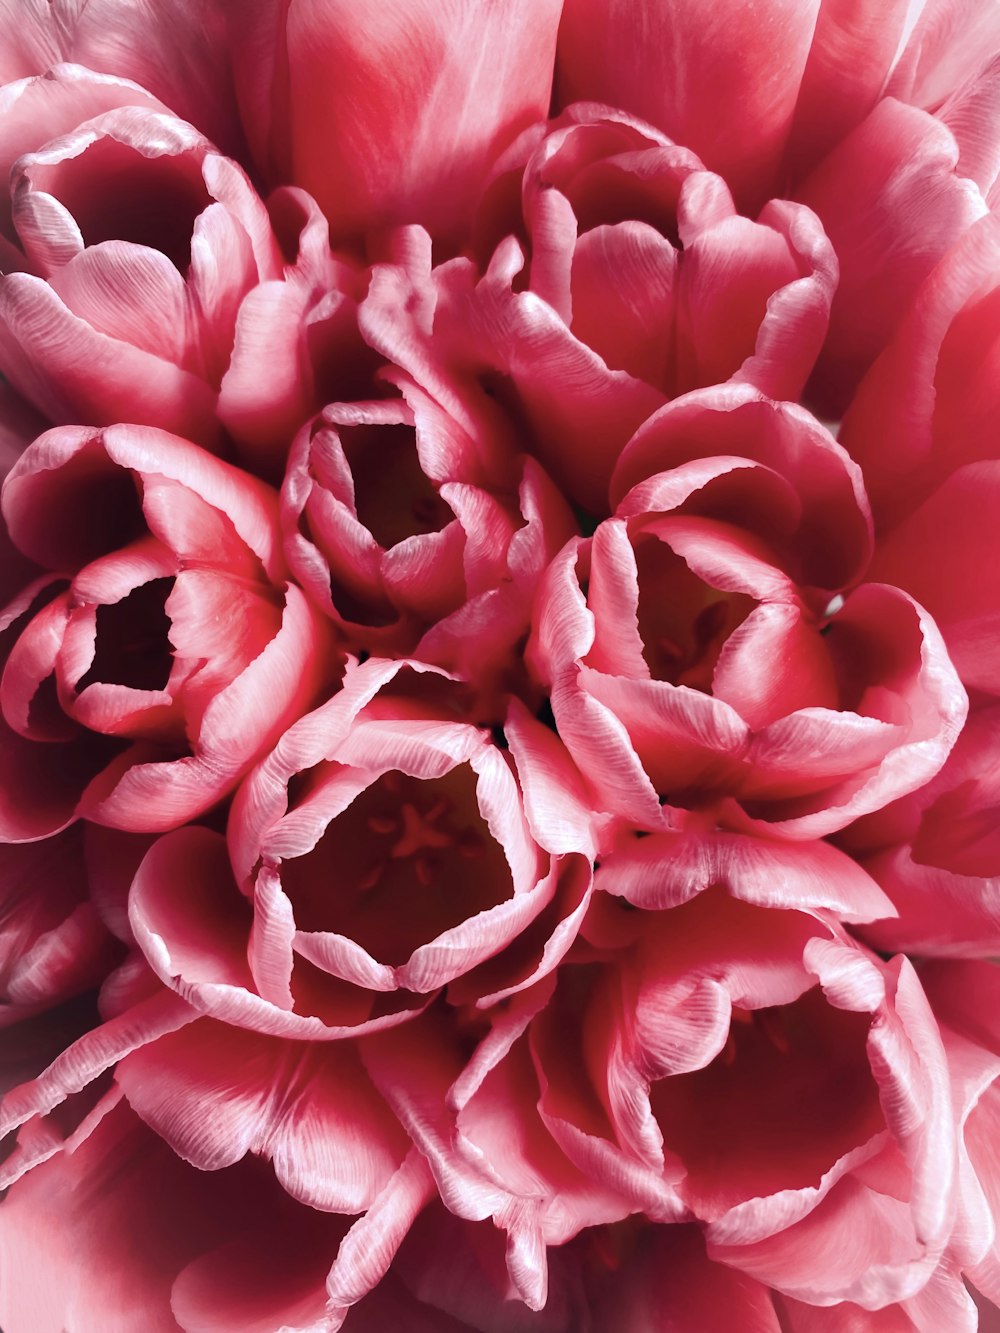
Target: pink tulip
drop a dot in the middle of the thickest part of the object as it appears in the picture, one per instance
(138, 242)
(419, 817)
(882, 118)
(698, 649)
(757, 1064)
(127, 693)
(639, 282)
(445, 563)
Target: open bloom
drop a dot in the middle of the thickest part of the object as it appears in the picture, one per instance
(718, 1004)
(444, 563)
(380, 853)
(638, 281)
(126, 693)
(881, 118)
(699, 650)
(139, 241)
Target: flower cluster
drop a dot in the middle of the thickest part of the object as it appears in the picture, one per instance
(500, 640)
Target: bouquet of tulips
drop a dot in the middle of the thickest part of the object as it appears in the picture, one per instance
(500, 639)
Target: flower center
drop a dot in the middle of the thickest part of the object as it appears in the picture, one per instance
(420, 834)
(406, 861)
(683, 621)
(133, 646)
(800, 1078)
(409, 507)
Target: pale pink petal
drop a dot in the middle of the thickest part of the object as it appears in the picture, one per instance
(603, 750)
(214, 1094)
(70, 370)
(947, 40)
(832, 533)
(797, 317)
(682, 736)
(624, 278)
(368, 1249)
(92, 1054)
(555, 797)
(666, 869)
(856, 1245)
(798, 673)
(971, 115)
(115, 285)
(726, 277)
(198, 945)
(564, 629)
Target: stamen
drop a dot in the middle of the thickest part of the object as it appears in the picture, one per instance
(418, 831)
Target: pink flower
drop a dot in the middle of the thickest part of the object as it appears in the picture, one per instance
(136, 648)
(442, 878)
(139, 242)
(608, 1089)
(445, 563)
(639, 282)
(752, 1065)
(698, 649)
(825, 102)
